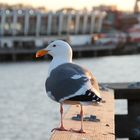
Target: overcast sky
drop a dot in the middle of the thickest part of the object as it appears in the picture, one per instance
(78, 4)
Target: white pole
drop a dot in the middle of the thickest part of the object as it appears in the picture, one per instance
(49, 23)
(60, 23)
(92, 22)
(26, 23)
(77, 23)
(14, 22)
(38, 23)
(85, 22)
(3, 22)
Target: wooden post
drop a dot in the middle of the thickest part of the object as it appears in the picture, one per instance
(128, 126)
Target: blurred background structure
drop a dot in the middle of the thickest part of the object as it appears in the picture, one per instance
(23, 29)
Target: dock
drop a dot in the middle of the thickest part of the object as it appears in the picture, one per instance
(102, 130)
(15, 54)
(111, 125)
(27, 53)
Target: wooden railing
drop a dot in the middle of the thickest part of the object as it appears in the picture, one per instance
(103, 129)
(126, 126)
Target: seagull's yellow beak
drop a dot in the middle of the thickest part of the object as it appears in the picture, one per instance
(41, 53)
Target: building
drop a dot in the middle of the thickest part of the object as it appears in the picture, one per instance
(34, 27)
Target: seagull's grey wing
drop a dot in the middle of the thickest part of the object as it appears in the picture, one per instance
(93, 80)
(67, 81)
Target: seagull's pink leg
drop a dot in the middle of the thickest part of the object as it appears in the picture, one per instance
(61, 128)
(81, 113)
(81, 130)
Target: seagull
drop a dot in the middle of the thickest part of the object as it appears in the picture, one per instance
(67, 82)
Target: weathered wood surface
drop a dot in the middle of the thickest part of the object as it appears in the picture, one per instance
(103, 130)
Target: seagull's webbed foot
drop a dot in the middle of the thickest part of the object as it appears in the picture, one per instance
(59, 129)
(81, 130)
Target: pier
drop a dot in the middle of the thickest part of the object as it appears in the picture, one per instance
(111, 125)
(104, 129)
(29, 53)
(18, 54)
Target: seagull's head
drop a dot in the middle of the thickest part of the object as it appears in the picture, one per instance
(57, 48)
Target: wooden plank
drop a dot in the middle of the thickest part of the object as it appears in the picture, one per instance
(125, 90)
(122, 126)
(103, 130)
(128, 125)
(124, 85)
(130, 94)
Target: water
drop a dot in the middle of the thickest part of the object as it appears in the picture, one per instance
(27, 113)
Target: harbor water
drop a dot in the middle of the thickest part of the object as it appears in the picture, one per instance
(26, 112)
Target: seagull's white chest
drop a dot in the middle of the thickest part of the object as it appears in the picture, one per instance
(57, 62)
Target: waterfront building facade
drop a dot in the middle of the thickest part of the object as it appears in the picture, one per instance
(29, 27)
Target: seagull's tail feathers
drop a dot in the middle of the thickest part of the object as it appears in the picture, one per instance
(96, 98)
(97, 94)
(91, 96)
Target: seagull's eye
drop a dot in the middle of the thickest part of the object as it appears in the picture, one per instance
(54, 45)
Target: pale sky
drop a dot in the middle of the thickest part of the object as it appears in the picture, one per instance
(78, 4)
